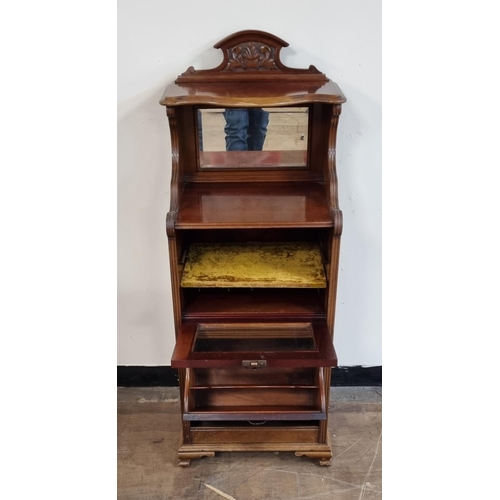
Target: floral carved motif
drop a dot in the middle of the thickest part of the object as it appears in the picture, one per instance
(251, 55)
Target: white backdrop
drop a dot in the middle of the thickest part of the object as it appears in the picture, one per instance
(158, 40)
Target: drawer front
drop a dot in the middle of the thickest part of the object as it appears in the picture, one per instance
(255, 345)
(260, 432)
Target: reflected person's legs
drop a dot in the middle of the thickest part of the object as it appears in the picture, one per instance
(258, 120)
(236, 129)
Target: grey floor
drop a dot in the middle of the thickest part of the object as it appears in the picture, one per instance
(148, 437)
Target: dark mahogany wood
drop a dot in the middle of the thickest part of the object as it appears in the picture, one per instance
(253, 197)
(247, 205)
(242, 377)
(248, 434)
(251, 55)
(237, 94)
(223, 304)
(323, 354)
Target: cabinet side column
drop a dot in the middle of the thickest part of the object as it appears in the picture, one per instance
(334, 246)
(332, 280)
(323, 424)
(336, 215)
(172, 218)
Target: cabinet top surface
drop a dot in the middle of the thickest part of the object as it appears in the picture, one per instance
(252, 74)
(252, 94)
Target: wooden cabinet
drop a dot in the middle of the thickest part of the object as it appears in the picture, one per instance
(254, 234)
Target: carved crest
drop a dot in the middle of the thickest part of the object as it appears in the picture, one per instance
(250, 55)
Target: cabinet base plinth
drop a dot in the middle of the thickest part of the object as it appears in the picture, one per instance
(324, 457)
(186, 457)
(316, 451)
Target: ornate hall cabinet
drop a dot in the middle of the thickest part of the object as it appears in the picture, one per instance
(254, 234)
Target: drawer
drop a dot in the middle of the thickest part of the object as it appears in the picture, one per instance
(254, 345)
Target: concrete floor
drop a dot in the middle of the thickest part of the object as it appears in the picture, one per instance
(149, 428)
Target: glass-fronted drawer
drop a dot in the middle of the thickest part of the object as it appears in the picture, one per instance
(254, 345)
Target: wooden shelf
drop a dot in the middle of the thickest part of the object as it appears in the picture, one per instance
(247, 94)
(229, 303)
(253, 205)
(254, 265)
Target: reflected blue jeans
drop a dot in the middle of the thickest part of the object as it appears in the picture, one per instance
(245, 128)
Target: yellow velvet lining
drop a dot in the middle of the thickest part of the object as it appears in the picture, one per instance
(254, 265)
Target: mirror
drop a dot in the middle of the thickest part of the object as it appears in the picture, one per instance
(253, 138)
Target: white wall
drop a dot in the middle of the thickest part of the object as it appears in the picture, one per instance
(158, 40)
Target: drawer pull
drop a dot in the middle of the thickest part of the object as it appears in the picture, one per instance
(259, 363)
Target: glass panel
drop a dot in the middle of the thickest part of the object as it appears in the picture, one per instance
(257, 337)
(253, 137)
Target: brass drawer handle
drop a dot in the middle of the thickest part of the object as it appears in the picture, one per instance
(260, 363)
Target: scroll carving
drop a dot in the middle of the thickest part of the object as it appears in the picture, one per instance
(174, 183)
(332, 171)
(251, 55)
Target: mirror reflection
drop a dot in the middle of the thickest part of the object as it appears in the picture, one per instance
(253, 137)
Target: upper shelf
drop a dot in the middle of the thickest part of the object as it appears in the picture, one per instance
(253, 205)
(247, 94)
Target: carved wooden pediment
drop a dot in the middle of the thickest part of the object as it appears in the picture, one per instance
(251, 55)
